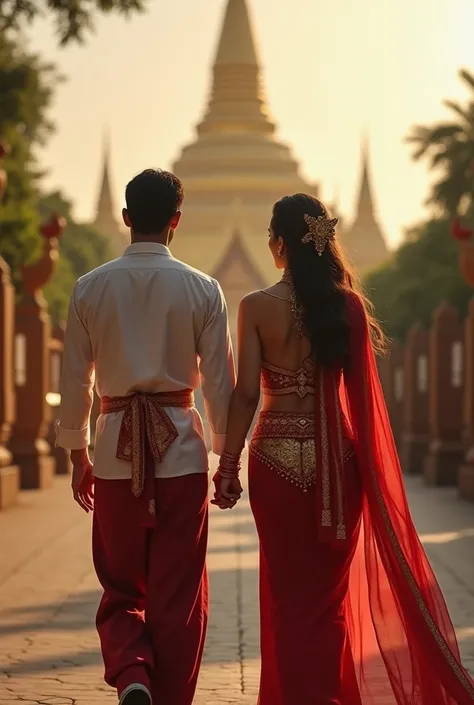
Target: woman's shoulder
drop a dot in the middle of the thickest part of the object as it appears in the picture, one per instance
(256, 298)
(259, 305)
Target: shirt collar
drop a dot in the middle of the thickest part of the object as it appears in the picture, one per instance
(151, 248)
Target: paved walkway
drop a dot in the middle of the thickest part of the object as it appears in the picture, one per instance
(49, 653)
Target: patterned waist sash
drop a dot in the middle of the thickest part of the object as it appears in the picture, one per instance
(145, 435)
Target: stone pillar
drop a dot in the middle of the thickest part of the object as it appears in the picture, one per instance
(31, 450)
(393, 381)
(56, 348)
(466, 470)
(446, 382)
(415, 436)
(9, 474)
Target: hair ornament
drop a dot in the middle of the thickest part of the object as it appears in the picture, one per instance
(321, 230)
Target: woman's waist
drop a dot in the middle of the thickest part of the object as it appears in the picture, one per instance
(284, 424)
(289, 403)
(276, 423)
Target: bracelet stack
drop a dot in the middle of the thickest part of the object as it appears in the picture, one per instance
(229, 466)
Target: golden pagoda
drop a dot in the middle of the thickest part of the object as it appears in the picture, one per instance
(105, 221)
(235, 170)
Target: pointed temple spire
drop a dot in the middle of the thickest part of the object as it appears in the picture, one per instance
(236, 45)
(105, 221)
(365, 205)
(365, 239)
(105, 206)
(237, 104)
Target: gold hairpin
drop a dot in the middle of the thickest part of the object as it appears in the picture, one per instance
(321, 230)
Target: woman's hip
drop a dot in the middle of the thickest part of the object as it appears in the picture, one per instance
(285, 480)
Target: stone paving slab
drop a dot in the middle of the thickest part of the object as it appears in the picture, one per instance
(49, 653)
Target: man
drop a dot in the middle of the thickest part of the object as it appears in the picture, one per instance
(147, 328)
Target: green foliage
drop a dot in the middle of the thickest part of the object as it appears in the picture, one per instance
(73, 19)
(81, 249)
(25, 94)
(449, 148)
(420, 275)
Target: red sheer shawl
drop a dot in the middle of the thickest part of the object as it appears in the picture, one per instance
(402, 639)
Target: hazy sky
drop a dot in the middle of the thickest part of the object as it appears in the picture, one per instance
(333, 68)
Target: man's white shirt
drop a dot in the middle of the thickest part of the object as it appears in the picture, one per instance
(146, 322)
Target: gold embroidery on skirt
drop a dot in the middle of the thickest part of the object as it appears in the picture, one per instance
(284, 441)
(291, 458)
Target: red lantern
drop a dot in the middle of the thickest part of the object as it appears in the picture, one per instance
(54, 227)
(460, 232)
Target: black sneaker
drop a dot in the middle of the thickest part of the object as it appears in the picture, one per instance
(135, 694)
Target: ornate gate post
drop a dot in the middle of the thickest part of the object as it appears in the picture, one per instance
(29, 446)
(415, 437)
(9, 474)
(446, 377)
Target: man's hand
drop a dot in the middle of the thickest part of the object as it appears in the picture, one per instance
(227, 492)
(82, 479)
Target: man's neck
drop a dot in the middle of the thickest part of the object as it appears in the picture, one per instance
(158, 239)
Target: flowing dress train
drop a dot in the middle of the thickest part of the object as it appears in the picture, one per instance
(351, 611)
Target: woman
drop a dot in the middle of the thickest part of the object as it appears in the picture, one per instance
(350, 609)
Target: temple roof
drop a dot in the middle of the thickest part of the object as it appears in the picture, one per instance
(210, 252)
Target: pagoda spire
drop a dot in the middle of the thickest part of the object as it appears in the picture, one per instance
(105, 207)
(237, 104)
(365, 204)
(105, 221)
(237, 44)
(365, 239)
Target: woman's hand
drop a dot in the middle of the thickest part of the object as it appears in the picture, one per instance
(227, 492)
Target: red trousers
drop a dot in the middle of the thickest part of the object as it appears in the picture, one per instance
(306, 657)
(152, 618)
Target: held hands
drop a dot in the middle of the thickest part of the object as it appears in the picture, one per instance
(227, 491)
(82, 479)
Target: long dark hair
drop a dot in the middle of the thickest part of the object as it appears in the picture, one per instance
(321, 283)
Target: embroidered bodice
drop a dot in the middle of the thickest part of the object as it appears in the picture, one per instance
(277, 381)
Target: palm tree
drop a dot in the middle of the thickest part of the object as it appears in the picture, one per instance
(449, 147)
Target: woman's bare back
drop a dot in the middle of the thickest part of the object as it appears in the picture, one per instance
(281, 346)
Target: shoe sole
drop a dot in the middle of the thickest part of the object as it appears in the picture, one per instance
(137, 697)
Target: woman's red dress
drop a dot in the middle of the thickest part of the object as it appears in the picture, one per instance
(351, 611)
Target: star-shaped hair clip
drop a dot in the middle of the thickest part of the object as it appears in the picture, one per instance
(321, 230)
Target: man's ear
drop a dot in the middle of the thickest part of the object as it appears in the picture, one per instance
(126, 218)
(174, 222)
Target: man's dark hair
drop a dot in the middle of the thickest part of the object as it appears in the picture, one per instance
(153, 197)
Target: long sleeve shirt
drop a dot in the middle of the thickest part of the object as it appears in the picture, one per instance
(146, 322)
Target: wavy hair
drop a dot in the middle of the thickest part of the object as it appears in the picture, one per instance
(321, 283)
